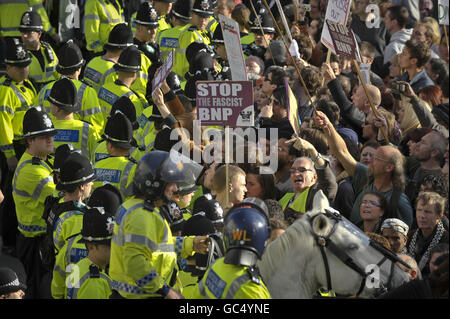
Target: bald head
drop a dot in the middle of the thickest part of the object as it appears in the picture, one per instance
(360, 100)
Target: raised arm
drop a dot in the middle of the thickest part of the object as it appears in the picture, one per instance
(336, 143)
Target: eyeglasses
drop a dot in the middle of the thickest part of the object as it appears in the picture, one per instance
(369, 203)
(299, 170)
(382, 159)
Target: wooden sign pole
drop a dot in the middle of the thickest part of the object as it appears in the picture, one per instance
(374, 110)
(287, 50)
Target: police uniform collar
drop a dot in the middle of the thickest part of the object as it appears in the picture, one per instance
(119, 82)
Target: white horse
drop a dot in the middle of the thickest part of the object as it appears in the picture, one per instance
(293, 266)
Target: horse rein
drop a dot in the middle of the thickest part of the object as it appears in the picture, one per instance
(325, 242)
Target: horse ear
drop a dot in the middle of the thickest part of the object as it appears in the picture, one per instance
(321, 225)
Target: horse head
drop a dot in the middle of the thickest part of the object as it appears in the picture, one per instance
(323, 249)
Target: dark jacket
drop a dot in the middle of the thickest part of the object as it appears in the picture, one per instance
(419, 81)
(351, 115)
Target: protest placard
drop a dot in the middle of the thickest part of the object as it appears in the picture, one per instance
(232, 39)
(344, 41)
(443, 12)
(225, 103)
(338, 12)
(162, 72)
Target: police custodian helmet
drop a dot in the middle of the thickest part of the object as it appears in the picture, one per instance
(246, 231)
(37, 123)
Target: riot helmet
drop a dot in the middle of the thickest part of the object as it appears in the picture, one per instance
(246, 232)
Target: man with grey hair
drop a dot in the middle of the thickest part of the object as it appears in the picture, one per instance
(385, 174)
(430, 152)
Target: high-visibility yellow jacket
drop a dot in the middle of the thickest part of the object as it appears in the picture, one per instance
(144, 252)
(12, 10)
(89, 281)
(100, 17)
(189, 35)
(96, 71)
(226, 281)
(68, 224)
(46, 73)
(15, 100)
(78, 133)
(168, 40)
(118, 171)
(112, 91)
(90, 106)
(32, 183)
(71, 253)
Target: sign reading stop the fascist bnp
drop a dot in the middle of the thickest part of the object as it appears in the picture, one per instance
(343, 40)
(226, 103)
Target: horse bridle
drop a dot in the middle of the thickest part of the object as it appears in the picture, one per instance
(325, 242)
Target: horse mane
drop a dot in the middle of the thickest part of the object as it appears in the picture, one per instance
(288, 242)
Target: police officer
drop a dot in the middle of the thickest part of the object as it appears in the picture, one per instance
(221, 55)
(118, 168)
(63, 104)
(63, 215)
(91, 280)
(163, 9)
(76, 181)
(61, 154)
(127, 68)
(140, 231)
(125, 106)
(32, 183)
(100, 67)
(69, 65)
(16, 96)
(262, 40)
(107, 197)
(180, 17)
(236, 276)
(201, 11)
(43, 58)
(100, 17)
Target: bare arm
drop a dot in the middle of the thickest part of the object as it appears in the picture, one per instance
(336, 143)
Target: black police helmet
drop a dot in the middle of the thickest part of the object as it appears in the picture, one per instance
(16, 53)
(76, 171)
(98, 226)
(129, 60)
(120, 37)
(31, 21)
(124, 105)
(37, 123)
(70, 58)
(61, 153)
(64, 95)
(119, 131)
(107, 196)
(147, 16)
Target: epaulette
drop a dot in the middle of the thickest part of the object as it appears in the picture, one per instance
(132, 160)
(254, 274)
(94, 272)
(149, 206)
(85, 82)
(36, 160)
(48, 51)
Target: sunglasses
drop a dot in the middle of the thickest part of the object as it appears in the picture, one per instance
(300, 170)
